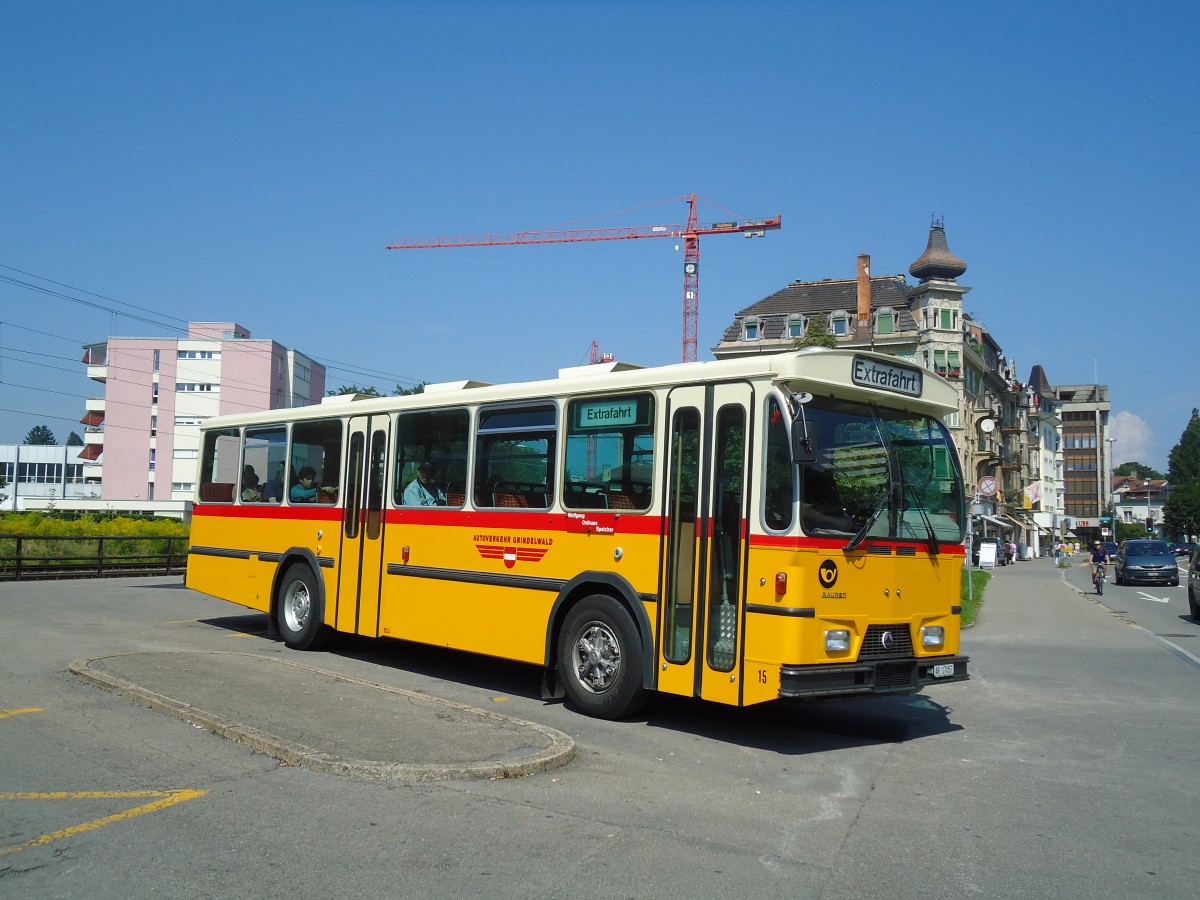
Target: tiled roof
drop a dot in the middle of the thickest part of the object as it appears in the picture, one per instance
(826, 296)
(1039, 382)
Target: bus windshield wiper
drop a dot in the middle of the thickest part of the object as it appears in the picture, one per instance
(861, 535)
(935, 545)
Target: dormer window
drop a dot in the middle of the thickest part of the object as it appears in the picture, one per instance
(750, 328)
(885, 321)
(839, 324)
(795, 326)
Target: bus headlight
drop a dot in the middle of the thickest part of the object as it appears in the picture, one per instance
(933, 637)
(837, 640)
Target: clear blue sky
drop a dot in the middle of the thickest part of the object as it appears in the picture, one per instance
(250, 161)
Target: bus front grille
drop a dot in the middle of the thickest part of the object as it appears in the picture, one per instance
(887, 642)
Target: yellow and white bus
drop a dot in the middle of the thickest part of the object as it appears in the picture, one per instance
(784, 526)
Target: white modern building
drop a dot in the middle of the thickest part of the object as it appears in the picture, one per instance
(37, 476)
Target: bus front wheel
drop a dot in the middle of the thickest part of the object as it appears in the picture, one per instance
(299, 610)
(600, 659)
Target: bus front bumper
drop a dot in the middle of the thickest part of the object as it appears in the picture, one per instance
(882, 676)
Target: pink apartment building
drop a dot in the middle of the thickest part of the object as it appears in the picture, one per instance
(142, 438)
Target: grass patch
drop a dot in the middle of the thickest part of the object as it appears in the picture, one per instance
(971, 604)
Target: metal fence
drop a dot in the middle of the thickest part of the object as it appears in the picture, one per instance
(26, 557)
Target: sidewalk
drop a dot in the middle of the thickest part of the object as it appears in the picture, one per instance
(329, 722)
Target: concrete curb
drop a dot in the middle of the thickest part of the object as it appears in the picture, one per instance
(560, 750)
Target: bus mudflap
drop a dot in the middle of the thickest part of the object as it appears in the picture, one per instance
(885, 676)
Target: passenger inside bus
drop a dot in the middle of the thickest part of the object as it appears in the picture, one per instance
(304, 491)
(273, 490)
(424, 489)
(250, 487)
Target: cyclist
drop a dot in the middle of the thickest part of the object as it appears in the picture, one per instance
(1100, 560)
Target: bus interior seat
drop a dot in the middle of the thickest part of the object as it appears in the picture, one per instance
(216, 492)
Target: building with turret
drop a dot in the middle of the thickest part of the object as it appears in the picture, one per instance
(997, 430)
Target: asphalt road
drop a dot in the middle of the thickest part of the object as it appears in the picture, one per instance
(1065, 767)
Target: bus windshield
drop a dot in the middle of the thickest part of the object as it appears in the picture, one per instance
(879, 473)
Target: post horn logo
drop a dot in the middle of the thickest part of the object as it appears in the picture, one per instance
(827, 574)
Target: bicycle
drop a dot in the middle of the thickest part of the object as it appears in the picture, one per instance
(1098, 578)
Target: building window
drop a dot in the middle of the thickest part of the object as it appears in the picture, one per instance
(152, 455)
(939, 362)
(885, 322)
(184, 453)
(188, 486)
(154, 393)
(839, 324)
(156, 359)
(947, 320)
(953, 364)
(302, 373)
(153, 426)
(795, 327)
(750, 330)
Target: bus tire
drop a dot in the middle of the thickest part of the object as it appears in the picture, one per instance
(298, 613)
(600, 659)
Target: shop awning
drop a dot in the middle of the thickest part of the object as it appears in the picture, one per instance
(93, 418)
(995, 521)
(91, 451)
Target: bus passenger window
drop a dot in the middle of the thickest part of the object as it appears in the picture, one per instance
(514, 457)
(438, 437)
(610, 453)
(219, 465)
(265, 452)
(316, 452)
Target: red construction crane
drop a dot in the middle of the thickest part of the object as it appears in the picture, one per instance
(689, 234)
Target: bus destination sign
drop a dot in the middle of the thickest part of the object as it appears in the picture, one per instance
(888, 376)
(608, 413)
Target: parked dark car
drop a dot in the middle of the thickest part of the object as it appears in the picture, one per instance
(1003, 557)
(1194, 585)
(1145, 562)
(1110, 547)
(1185, 549)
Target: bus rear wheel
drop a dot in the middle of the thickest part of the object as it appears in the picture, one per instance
(600, 659)
(298, 613)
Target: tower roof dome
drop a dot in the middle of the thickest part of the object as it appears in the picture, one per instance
(937, 261)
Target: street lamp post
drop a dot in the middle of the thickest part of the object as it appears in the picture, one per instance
(1112, 503)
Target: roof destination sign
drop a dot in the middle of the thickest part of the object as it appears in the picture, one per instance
(608, 413)
(885, 375)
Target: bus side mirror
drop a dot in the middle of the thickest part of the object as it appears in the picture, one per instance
(802, 448)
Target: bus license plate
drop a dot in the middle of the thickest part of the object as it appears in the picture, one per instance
(943, 670)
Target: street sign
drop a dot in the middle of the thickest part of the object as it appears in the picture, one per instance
(1104, 532)
(987, 485)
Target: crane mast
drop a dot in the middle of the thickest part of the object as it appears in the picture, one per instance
(689, 234)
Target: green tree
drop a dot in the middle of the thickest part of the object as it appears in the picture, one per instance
(1181, 513)
(41, 435)
(816, 334)
(402, 391)
(1183, 465)
(74, 440)
(1138, 470)
(366, 391)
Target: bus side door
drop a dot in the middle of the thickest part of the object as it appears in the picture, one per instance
(361, 559)
(704, 568)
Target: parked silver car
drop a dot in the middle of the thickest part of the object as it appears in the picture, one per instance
(1145, 562)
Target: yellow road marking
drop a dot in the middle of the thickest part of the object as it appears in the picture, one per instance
(9, 713)
(165, 799)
